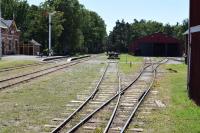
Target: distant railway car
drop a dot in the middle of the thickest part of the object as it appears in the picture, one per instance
(157, 44)
(194, 52)
(113, 55)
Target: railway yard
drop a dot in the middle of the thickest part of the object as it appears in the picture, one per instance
(95, 94)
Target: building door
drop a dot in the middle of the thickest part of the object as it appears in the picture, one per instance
(159, 50)
(21, 50)
(3, 48)
(30, 50)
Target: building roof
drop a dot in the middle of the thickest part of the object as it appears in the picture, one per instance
(3, 24)
(35, 43)
(193, 30)
(8, 23)
(154, 38)
(157, 38)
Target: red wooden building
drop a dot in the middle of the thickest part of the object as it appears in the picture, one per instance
(157, 44)
(30, 48)
(194, 52)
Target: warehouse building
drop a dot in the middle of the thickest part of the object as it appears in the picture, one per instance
(194, 51)
(157, 44)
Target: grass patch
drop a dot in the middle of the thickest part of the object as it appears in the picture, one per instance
(28, 107)
(130, 64)
(14, 63)
(181, 114)
(130, 58)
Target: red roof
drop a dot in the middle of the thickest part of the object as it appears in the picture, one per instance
(155, 38)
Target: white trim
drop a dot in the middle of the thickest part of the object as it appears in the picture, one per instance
(193, 29)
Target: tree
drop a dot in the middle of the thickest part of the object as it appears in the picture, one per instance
(123, 33)
(75, 29)
(120, 37)
(94, 31)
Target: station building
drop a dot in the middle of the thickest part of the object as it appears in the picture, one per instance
(158, 45)
(10, 37)
(11, 43)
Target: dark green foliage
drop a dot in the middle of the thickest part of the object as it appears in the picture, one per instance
(74, 28)
(94, 32)
(120, 37)
(124, 34)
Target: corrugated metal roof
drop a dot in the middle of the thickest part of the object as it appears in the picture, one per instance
(193, 30)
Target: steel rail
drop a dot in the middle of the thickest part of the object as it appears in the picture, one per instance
(20, 67)
(34, 77)
(58, 128)
(4, 80)
(174, 59)
(115, 109)
(34, 64)
(27, 65)
(107, 102)
(116, 106)
(142, 97)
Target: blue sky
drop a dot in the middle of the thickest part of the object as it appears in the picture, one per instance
(166, 11)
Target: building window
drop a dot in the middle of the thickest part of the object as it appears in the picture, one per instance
(16, 43)
(10, 45)
(16, 46)
(3, 47)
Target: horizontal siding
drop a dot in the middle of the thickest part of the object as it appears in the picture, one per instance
(194, 69)
(194, 12)
(194, 84)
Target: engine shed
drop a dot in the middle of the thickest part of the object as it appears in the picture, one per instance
(158, 45)
(193, 53)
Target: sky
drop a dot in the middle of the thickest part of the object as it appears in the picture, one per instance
(165, 11)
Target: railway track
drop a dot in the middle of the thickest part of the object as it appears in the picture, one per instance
(106, 87)
(122, 102)
(5, 83)
(27, 65)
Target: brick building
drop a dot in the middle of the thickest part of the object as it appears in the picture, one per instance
(10, 37)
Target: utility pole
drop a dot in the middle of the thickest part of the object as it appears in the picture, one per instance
(50, 24)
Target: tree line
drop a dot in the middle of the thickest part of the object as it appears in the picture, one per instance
(74, 28)
(124, 33)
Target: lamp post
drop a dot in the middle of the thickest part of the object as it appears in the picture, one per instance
(50, 17)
